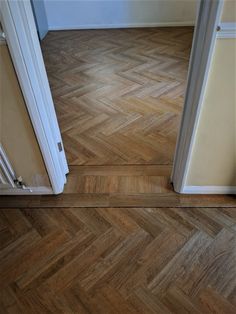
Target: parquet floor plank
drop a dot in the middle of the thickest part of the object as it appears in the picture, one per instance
(121, 186)
(116, 261)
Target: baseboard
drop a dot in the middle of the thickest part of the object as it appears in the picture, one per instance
(40, 190)
(131, 25)
(209, 189)
(227, 30)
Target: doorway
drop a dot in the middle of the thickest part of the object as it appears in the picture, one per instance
(118, 98)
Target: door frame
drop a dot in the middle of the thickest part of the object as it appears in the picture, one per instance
(21, 34)
(205, 33)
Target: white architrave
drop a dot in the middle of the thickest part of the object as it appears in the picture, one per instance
(21, 35)
(203, 43)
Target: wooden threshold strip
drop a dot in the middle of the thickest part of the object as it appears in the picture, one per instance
(118, 200)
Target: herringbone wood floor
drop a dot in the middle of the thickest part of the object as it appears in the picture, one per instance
(119, 240)
(118, 93)
(176, 255)
(105, 260)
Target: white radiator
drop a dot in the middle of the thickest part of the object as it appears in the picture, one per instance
(8, 178)
(7, 175)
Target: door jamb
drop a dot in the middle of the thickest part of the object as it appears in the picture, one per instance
(202, 50)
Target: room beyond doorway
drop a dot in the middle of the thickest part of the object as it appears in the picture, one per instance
(119, 93)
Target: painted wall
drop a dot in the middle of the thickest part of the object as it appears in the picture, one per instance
(16, 132)
(229, 11)
(213, 159)
(40, 17)
(73, 14)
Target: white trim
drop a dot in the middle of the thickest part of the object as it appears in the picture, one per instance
(202, 50)
(6, 167)
(121, 25)
(227, 30)
(39, 190)
(42, 78)
(21, 35)
(209, 189)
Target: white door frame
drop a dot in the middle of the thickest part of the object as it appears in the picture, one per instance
(204, 40)
(22, 39)
(21, 34)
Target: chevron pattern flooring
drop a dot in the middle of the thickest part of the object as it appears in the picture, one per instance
(123, 260)
(118, 240)
(118, 93)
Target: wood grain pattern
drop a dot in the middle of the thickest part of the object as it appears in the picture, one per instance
(118, 240)
(119, 186)
(118, 93)
(117, 260)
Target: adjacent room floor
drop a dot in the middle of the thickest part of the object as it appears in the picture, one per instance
(118, 93)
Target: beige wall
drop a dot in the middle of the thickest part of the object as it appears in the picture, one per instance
(213, 160)
(229, 11)
(16, 132)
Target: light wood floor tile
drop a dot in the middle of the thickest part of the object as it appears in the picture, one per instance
(118, 93)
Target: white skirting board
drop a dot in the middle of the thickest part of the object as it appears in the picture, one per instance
(209, 189)
(133, 25)
(39, 190)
